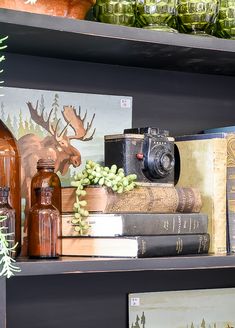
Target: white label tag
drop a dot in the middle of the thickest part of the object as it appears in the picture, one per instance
(125, 103)
(135, 301)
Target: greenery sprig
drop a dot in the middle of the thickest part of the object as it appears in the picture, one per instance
(95, 174)
(2, 57)
(7, 266)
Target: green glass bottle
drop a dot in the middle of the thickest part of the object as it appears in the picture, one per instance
(225, 24)
(119, 12)
(156, 14)
(197, 16)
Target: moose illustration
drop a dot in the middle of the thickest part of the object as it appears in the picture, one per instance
(56, 145)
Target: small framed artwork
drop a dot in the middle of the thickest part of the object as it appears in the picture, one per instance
(201, 308)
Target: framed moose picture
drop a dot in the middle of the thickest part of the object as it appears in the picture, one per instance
(206, 308)
(65, 126)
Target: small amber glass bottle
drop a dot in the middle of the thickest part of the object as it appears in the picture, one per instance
(46, 177)
(8, 213)
(44, 226)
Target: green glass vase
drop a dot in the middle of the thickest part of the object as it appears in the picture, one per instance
(119, 12)
(156, 14)
(197, 16)
(225, 25)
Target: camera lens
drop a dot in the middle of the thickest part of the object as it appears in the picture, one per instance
(166, 162)
(161, 162)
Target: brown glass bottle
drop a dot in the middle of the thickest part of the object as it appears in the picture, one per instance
(8, 213)
(44, 226)
(46, 177)
(10, 176)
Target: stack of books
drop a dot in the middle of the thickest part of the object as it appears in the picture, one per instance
(146, 222)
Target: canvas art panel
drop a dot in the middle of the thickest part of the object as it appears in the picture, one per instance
(201, 308)
(68, 127)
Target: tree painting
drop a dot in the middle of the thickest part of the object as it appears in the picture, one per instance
(200, 308)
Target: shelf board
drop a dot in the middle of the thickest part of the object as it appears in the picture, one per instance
(57, 37)
(66, 265)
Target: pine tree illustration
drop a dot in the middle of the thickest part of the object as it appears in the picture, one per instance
(15, 126)
(3, 112)
(203, 324)
(41, 105)
(27, 128)
(143, 320)
(137, 322)
(55, 107)
(42, 108)
(31, 126)
(21, 126)
(9, 124)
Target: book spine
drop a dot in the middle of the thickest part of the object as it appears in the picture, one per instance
(174, 245)
(218, 222)
(230, 190)
(155, 200)
(164, 224)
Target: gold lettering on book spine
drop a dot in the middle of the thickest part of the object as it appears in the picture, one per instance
(187, 200)
(179, 245)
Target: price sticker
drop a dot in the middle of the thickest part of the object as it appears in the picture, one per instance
(135, 301)
(125, 103)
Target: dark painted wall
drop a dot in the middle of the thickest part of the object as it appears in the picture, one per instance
(95, 300)
(180, 102)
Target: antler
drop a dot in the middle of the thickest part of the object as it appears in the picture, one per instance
(46, 124)
(39, 119)
(77, 123)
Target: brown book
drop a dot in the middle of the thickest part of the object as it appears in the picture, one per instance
(203, 162)
(154, 199)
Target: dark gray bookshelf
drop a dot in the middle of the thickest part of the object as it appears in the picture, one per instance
(98, 265)
(117, 45)
(159, 70)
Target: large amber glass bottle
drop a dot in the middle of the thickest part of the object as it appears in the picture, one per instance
(44, 226)
(46, 177)
(10, 176)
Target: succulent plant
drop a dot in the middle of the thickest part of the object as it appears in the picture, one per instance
(95, 174)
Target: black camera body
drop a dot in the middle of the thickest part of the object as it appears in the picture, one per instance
(147, 152)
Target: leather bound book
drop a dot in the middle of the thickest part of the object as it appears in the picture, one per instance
(153, 199)
(136, 246)
(134, 224)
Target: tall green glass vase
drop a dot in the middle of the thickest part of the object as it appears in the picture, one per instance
(156, 14)
(225, 25)
(197, 16)
(119, 12)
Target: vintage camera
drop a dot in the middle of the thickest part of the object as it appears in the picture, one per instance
(147, 152)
